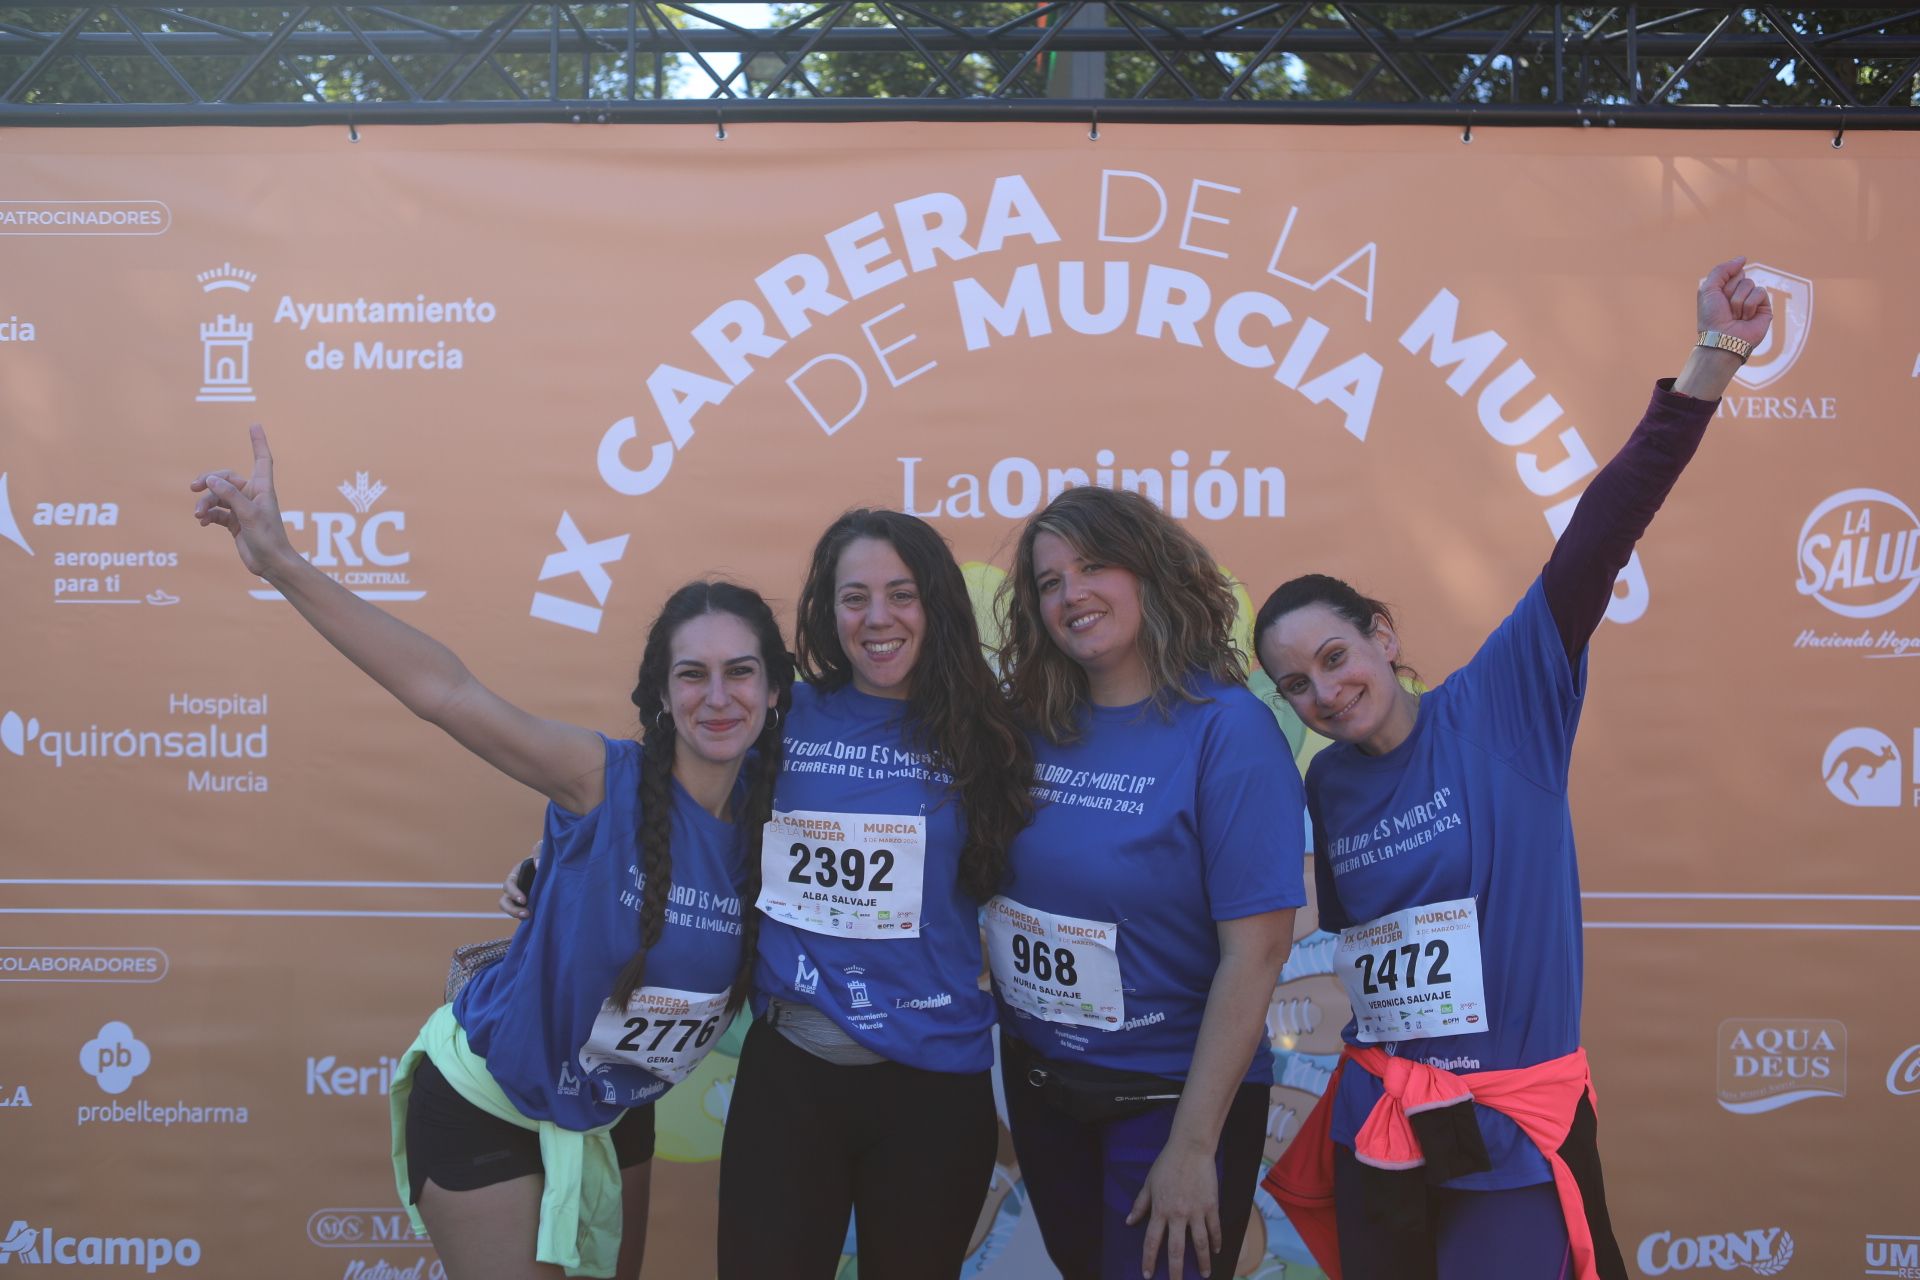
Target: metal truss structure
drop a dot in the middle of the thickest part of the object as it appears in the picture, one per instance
(1349, 61)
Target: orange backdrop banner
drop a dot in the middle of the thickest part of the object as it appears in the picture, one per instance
(523, 380)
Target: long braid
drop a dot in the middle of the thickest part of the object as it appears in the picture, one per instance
(763, 770)
(655, 850)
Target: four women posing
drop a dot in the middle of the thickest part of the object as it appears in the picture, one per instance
(1119, 822)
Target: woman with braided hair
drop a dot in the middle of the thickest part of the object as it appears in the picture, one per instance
(505, 1105)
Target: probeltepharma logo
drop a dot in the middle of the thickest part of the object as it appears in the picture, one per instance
(1765, 1251)
(1862, 767)
(91, 576)
(1769, 1063)
(1893, 1256)
(360, 548)
(44, 1246)
(1858, 555)
(327, 1078)
(211, 739)
(115, 1058)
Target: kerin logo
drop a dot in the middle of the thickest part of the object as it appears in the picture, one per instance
(1859, 553)
(1765, 1252)
(226, 342)
(325, 1077)
(1862, 768)
(1903, 1077)
(1792, 298)
(806, 978)
(115, 1057)
(355, 548)
(1893, 1256)
(1769, 1063)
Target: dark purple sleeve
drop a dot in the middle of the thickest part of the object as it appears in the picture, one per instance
(1616, 509)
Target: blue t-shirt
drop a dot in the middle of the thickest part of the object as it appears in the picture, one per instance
(1477, 797)
(531, 1014)
(1162, 825)
(910, 996)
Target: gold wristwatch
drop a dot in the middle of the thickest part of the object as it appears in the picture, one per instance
(1726, 342)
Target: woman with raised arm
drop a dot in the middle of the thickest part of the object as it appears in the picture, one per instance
(1151, 904)
(519, 1104)
(1458, 1137)
(863, 1085)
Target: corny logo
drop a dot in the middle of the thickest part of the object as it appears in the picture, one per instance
(1765, 1251)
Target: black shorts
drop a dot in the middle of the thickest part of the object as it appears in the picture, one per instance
(462, 1148)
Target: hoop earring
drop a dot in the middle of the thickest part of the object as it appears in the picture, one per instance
(773, 718)
(663, 720)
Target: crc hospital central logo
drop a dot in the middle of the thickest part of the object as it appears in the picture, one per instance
(1862, 767)
(360, 549)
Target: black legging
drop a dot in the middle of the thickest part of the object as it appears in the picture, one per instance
(807, 1142)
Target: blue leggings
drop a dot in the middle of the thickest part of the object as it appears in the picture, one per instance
(1518, 1234)
(1081, 1180)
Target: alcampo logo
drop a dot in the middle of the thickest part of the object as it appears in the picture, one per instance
(1792, 297)
(1765, 1251)
(115, 1057)
(1859, 553)
(1862, 768)
(30, 1245)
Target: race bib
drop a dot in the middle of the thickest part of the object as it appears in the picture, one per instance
(1059, 968)
(662, 1031)
(1415, 974)
(850, 875)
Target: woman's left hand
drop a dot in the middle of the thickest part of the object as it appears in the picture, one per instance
(1181, 1199)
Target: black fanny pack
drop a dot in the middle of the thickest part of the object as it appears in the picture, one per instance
(1086, 1093)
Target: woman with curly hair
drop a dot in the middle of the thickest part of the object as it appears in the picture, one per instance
(505, 1108)
(1151, 900)
(864, 1084)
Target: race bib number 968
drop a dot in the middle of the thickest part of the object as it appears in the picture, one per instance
(1060, 968)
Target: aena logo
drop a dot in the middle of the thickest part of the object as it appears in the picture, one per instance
(9, 527)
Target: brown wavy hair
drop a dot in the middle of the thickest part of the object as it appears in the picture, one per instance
(655, 851)
(954, 710)
(1186, 608)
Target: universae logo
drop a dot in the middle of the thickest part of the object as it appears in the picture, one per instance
(1792, 298)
